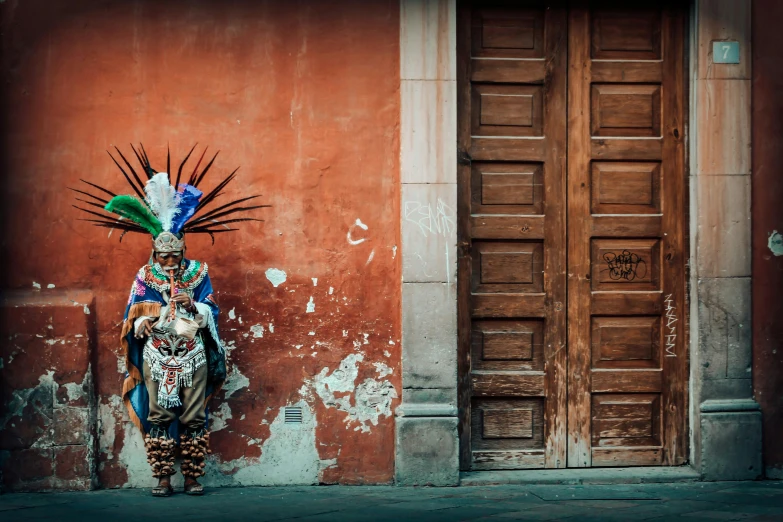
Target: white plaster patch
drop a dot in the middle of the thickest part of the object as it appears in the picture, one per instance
(234, 380)
(775, 243)
(369, 259)
(232, 313)
(275, 276)
(108, 415)
(37, 286)
(386, 353)
(310, 306)
(121, 365)
(257, 330)
(50, 286)
(75, 391)
(345, 333)
(21, 398)
(220, 416)
(288, 457)
(315, 281)
(331, 290)
(382, 369)
(133, 457)
(310, 333)
(366, 336)
(372, 398)
(86, 310)
(271, 328)
(394, 252)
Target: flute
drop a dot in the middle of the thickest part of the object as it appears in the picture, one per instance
(173, 307)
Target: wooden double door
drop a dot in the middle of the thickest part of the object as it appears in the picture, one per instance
(571, 139)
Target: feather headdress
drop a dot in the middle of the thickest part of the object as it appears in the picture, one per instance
(160, 206)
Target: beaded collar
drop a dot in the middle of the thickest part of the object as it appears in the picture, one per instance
(154, 277)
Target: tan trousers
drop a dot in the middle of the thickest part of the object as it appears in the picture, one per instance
(192, 398)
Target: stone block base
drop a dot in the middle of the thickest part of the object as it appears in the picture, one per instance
(427, 452)
(48, 433)
(731, 441)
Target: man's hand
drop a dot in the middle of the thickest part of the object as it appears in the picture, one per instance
(183, 300)
(145, 329)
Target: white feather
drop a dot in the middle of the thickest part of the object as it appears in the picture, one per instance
(162, 199)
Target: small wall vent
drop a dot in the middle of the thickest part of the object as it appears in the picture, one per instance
(293, 415)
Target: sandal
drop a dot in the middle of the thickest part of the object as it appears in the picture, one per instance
(193, 488)
(163, 490)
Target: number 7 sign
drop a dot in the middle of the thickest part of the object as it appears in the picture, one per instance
(725, 52)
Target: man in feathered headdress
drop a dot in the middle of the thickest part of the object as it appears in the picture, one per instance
(175, 359)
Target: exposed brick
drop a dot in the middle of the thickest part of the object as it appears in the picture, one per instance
(33, 424)
(27, 465)
(73, 463)
(77, 396)
(71, 426)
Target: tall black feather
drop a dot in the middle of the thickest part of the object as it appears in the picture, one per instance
(219, 223)
(125, 225)
(109, 192)
(179, 171)
(139, 192)
(192, 179)
(226, 213)
(138, 157)
(204, 172)
(104, 201)
(148, 167)
(133, 171)
(209, 197)
(97, 205)
(221, 207)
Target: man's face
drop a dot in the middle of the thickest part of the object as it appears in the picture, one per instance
(168, 260)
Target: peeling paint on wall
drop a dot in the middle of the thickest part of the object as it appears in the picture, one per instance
(133, 457)
(234, 380)
(257, 330)
(382, 369)
(275, 276)
(775, 243)
(220, 416)
(108, 415)
(372, 398)
(288, 457)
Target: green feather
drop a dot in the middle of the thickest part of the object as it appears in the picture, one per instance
(132, 208)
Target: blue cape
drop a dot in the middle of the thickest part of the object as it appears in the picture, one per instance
(146, 299)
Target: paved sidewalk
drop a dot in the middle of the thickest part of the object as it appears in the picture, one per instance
(758, 501)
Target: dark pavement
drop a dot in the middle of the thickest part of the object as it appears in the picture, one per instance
(758, 501)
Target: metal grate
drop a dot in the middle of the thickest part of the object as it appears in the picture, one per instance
(293, 415)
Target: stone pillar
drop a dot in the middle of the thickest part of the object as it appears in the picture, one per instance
(726, 421)
(427, 446)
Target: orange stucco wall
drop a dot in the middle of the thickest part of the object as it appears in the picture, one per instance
(304, 96)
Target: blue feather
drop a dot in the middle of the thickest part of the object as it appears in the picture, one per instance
(188, 201)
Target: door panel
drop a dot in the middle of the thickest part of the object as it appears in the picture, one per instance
(571, 248)
(626, 356)
(512, 90)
